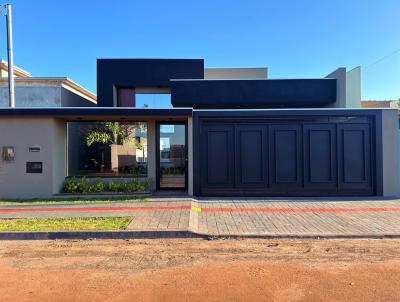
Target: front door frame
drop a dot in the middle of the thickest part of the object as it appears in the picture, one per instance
(158, 123)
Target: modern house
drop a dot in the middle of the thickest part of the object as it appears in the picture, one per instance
(207, 132)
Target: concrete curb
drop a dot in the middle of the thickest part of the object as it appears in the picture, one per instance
(84, 235)
(306, 236)
(98, 235)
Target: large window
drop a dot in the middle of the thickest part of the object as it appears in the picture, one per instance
(107, 149)
(153, 100)
(140, 97)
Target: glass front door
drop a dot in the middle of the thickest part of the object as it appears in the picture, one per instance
(172, 156)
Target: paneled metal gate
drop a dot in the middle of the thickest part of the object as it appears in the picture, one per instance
(292, 157)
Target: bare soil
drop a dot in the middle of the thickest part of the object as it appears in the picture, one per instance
(200, 270)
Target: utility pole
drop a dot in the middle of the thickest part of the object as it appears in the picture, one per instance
(10, 53)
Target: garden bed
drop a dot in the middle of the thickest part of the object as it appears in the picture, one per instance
(99, 186)
(76, 199)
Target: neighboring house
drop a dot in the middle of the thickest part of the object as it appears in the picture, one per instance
(393, 104)
(380, 104)
(43, 91)
(207, 131)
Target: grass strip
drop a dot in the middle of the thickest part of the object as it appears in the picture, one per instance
(65, 224)
(72, 200)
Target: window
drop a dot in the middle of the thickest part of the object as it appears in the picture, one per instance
(153, 100)
(107, 149)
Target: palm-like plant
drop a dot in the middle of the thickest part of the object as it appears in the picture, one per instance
(109, 133)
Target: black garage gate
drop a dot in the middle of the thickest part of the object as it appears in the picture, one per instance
(283, 155)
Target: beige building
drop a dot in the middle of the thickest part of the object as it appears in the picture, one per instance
(43, 91)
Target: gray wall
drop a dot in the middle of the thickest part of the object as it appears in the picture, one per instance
(340, 76)
(22, 133)
(348, 89)
(236, 73)
(353, 88)
(71, 99)
(398, 160)
(59, 143)
(151, 151)
(390, 122)
(33, 96)
(39, 95)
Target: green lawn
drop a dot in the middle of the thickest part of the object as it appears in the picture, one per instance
(72, 200)
(65, 224)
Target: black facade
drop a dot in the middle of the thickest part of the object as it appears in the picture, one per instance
(144, 73)
(284, 153)
(289, 93)
(246, 150)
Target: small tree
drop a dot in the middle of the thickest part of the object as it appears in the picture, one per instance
(109, 133)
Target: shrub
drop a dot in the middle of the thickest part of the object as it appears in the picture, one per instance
(83, 186)
(112, 186)
(134, 185)
(124, 187)
(71, 186)
(97, 186)
(147, 184)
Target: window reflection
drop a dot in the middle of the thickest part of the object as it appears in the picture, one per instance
(172, 156)
(107, 149)
(153, 100)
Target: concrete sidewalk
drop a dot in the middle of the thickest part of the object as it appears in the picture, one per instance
(268, 217)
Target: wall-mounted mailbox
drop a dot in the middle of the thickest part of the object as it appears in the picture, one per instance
(34, 167)
(35, 148)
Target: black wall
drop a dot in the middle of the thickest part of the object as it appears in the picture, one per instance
(142, 73)
(291, 93)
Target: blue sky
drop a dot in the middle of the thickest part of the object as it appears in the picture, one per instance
(296, 38)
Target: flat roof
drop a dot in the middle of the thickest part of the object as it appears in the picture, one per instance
(96, 112)
(278, 112)
(170, 112)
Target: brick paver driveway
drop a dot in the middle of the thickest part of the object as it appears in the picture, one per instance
(299, 217)
(229, 217)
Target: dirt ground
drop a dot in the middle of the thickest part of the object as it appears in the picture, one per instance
(200, 270)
